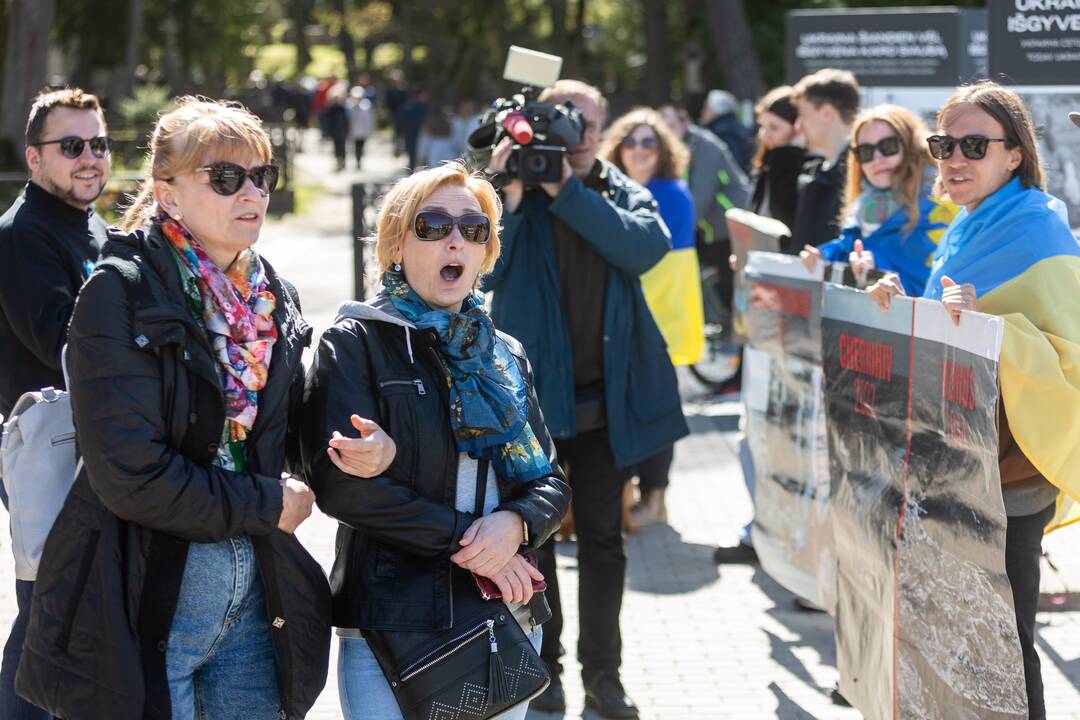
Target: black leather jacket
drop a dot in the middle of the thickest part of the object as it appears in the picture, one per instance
(397, 531)
(149, 410)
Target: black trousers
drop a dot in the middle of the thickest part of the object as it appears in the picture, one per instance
(358, 149)
(597, 486)
(654, 472)
(1023, 549)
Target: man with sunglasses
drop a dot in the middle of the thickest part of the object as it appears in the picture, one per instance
(50, 238)
(566, 285)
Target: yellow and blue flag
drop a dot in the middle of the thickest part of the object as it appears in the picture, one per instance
(672, 287)
(1017, 250)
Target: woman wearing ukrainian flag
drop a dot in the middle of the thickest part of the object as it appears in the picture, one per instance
(891, 219)
(1010, 253)
(640, 144)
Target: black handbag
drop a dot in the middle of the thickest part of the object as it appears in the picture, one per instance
(481, 666)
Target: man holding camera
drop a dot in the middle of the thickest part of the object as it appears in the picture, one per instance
(566, 286)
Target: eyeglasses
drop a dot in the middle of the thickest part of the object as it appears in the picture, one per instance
(972, 146)
(435, 225)
(72, 146)
(646, 143)
(227, 178)
(886, 146)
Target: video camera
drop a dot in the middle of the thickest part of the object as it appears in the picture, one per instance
(542, 132)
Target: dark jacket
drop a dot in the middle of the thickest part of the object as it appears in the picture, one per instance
(717, 183)
(821, 196)
(47, 249)
(149, 411)
(776, 184)
(736, 136)
(644, 413)
(397, 531)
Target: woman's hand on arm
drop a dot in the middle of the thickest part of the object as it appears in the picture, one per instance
(296, 501)
(367, 456)
(490, 542)
(515, 579)
(883, 291)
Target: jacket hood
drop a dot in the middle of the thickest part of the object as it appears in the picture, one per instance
(379, 308)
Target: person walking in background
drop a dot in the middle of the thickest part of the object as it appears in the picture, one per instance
(336, 120)
(640, 144)
(361, 117)
(171, 584)
(827, 102)
(1009, 252)
(778, 158)
(423, 360)
(719, 116)
(50, 239)
(436, 143)
(892, 221)
(412, 116)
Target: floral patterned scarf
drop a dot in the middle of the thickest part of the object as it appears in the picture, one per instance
(489, 405)
(235, 307)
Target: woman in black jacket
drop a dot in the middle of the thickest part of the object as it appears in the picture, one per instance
(779, 159)
(422, 360)
(171, 585)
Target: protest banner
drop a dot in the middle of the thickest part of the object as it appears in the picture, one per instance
(749, 231)
(925, 625)
(785, 424)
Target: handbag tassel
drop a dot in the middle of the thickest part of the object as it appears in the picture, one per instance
(498, 689)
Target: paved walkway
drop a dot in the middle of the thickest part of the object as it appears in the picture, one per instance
(699, 641)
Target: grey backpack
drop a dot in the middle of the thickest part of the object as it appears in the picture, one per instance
(38, 467)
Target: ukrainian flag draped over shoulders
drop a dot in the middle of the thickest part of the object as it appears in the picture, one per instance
(672, 287)
(1017, 250)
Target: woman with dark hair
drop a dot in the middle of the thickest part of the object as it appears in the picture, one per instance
(778, 158)
(1009, 252)
(642, 145)
(890, 220)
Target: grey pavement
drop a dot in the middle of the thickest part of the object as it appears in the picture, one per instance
(698, 641)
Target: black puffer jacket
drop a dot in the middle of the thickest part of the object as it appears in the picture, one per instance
(392, 569)
(148, 414)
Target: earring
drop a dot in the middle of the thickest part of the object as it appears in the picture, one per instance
(397, 267)
(177, 216)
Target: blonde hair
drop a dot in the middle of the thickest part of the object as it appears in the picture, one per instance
(907, 180)
(407, 195)
(198, 132)
(673, 155)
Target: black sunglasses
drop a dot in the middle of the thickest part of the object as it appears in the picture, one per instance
(227, 178)
(645, 143)
(972, 146)
(72, 147)
(435, 225)
(886, 146)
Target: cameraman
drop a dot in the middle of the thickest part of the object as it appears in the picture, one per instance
(566, 285)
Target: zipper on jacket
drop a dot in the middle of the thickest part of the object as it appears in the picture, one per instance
(444, 651)
(418, 383)
(63, 439)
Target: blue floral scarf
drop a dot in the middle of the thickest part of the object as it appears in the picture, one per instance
(489, 405)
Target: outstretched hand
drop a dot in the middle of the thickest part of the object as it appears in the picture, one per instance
(367, 456)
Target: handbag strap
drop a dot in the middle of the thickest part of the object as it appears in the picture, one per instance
(482, 466)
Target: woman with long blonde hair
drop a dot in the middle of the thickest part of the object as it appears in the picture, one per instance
(890, 220)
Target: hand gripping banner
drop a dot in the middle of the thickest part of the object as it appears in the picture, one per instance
(925, 626)
(785, 425)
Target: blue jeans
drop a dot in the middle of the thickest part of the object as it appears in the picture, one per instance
(13, 707)
(365, 693)
(220, 656)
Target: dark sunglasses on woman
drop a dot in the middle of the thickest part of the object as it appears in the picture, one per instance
(646, 143)
(886, 146)
(435, 225)
(972, 146)
(72, 147)
(227, 178)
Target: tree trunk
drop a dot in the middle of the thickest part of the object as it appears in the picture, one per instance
(734, 48)
(657, 74)
(300, 13)
(345, 40)
(124, 81)
(572, 63)
(26, 51)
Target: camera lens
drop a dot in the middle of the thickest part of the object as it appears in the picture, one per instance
(538, 165)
